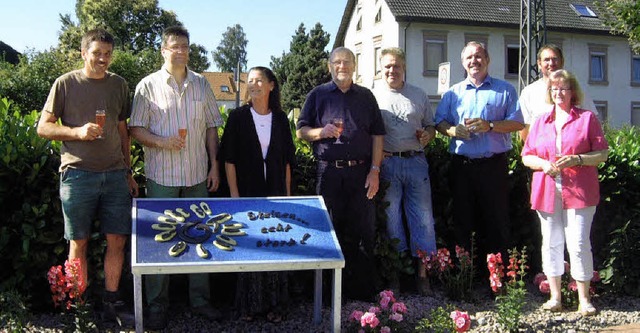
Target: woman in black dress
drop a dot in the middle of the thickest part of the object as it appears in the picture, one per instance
(258, 152)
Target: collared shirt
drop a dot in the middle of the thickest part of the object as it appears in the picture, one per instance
(533, 101)
(361, 115)
(581, 134)
(493, 100)
(162, 107)
(403, 111)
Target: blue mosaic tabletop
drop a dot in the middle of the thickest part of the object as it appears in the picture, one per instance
(278, 230)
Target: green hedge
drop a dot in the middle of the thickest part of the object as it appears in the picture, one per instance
(31, 232)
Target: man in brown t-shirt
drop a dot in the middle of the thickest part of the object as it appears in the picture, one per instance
(93, 105)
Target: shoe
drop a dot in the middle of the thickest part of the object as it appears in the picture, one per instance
(116, 312)
(208, 312)
(423, 286)
(156, 321)
(552, 305)
(587, 309)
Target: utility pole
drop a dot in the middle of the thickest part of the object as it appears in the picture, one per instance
(533, 35)
(237, 77)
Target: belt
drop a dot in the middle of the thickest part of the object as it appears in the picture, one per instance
(468, 160)
(339, 164)
(408, 153)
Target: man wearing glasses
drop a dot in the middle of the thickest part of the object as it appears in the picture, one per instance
(174, 117)
(343, 122)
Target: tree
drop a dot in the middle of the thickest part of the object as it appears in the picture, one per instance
(135, 24)
(198, 61)
(623, 16)
(303, 67)
(231, 50)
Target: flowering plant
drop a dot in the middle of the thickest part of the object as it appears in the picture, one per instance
(511, 294)
(457, 279)
(383, 318)
(68, 288)
(445, 320)
(569, 291)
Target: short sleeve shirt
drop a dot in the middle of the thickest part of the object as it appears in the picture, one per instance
(74, 99)
(361, 115)
(162, 107)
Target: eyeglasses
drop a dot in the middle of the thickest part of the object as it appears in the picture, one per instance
(178, 48)
(341, 62)
(561, 90)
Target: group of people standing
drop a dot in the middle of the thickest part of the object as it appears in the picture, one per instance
(359, 137)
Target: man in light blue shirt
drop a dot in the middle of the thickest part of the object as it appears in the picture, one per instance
(479, 114)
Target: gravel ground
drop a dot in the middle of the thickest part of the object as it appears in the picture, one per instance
(614, 311)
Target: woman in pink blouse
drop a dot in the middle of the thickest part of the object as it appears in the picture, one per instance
(564, 148)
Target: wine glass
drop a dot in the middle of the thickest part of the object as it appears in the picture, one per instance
(339, 123)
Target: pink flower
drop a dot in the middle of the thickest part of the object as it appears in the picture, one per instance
(461, 320)
(544, 287)
(573, 286)
(384, 302)
(356, 315)
(399, 307)
(539, 278)
(385, 329)
(374, 310)
(396, 317)
(370, 319)
(387, 294)
(596, 277)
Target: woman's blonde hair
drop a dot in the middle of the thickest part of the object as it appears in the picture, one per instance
(563, 75)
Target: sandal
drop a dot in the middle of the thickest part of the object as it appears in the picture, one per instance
(587, 309)
(552, 305)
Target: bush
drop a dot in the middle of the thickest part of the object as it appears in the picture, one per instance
(31, 233)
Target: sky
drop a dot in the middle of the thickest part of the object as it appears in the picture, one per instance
(268, 24)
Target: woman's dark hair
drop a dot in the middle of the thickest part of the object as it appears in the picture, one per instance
(274, 96)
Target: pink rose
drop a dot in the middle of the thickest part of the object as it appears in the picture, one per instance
(374, 310)
(396, 317)
(544, 287)
(573, 286)
(356, 315)
(370, 319)
(384, 302)
(387, 294)
(461, 320)
(385, 329)
(539, 278)
(399, 307)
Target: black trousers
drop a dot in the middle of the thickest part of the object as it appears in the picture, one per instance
(353, 217)
(480, 192)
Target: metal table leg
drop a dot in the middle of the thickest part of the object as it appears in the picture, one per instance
(137, 301)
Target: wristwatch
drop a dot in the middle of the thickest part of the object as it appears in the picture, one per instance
(490, 126)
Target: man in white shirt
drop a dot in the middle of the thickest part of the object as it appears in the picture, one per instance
(532, 101)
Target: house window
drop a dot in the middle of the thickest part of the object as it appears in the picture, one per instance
(224, 89)
(598, 64)
(602, 108)
(635, 70)
(376, 61)
(378, 16)
(635, 114)
(358, 62)
(583, 10)
(511, 57)
(377, 48)
(435, 51)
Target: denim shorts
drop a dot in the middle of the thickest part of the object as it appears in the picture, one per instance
(87, 196)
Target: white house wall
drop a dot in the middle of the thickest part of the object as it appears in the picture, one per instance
(618, 94)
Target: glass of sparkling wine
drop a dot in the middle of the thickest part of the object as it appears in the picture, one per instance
(101, 118)
(339, 123)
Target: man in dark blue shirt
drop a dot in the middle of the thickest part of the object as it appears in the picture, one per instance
(343, 122)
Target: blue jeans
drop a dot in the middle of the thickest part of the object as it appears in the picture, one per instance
(87, 195)
(409, 188)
